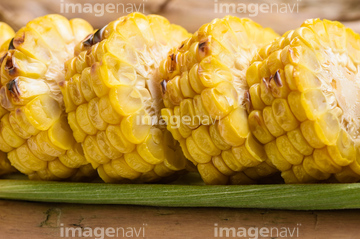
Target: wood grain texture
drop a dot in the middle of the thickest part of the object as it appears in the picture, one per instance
(192, 14)
(44, 220)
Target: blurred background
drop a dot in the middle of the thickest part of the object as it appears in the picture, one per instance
(281, 15)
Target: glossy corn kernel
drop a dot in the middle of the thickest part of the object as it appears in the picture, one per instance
(6, 33)
(34, 130)
(205, 88)
(306, 102)
(114, 100)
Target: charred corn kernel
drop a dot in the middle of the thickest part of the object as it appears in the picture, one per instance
(206, 77)
(117, 68)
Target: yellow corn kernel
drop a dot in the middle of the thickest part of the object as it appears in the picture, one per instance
(288, 151)
(276, 157)
(323, 160)
(196, 153)
(258, 127)
(233, 132)
(211, 175)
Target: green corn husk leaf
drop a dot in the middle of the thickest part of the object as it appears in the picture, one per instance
(292, 197)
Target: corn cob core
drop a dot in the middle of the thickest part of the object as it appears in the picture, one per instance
(305, 95)
(6, 33)
(206, 95)
(33, 127)
(111, 97)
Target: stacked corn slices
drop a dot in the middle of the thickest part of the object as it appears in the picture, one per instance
(112, 97)
(34, 130)
(6, 33)
(205, 94)
(305, 95)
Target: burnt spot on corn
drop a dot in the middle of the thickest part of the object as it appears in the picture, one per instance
(62, 84)
(17, 41)
(204, 48)
(11, 45)
(87, 41)
(182, 45)
(10, 66)
(13, 89)
(3, 58)
(172, 62)
(277, 79)
(247, 102)
(266, 82)
(163, 86)
(94, 38)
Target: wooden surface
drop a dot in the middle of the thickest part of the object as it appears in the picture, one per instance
(43, 220)
(191, 14)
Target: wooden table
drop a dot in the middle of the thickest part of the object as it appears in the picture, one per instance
(46, 220)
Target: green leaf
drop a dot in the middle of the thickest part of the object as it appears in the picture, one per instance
(295, 197)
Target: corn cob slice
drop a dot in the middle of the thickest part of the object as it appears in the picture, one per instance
(205, 89)
(112, 97)
(6, 33)
(34, 129)
(309, 101)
